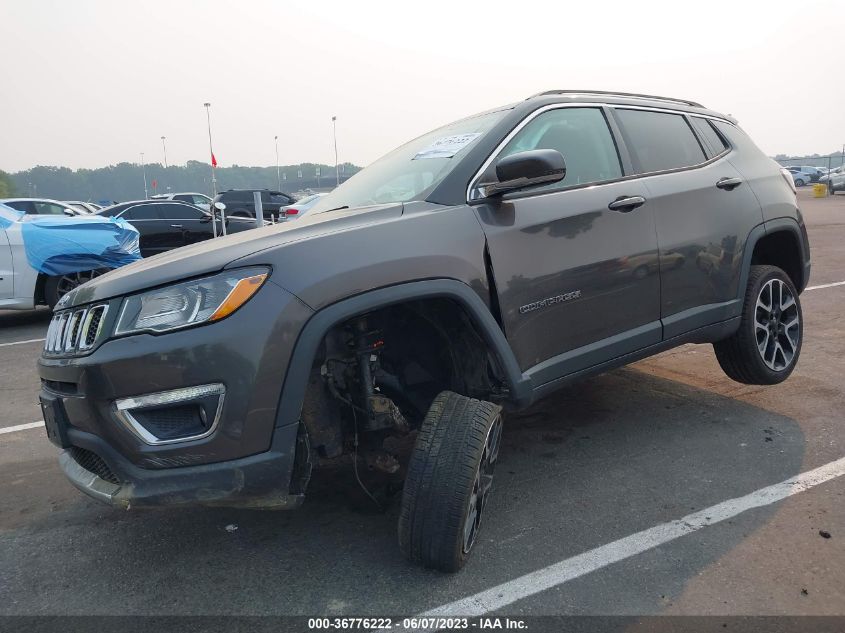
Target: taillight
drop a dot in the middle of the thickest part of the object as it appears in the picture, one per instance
(291, 211)
(787, 176)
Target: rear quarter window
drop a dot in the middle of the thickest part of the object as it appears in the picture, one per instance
(659, 141)
(712, 139)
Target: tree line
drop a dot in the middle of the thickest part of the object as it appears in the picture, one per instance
(125, 181)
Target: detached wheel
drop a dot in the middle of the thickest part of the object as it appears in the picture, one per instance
(766, 347)
(449, 479)
(58, 286)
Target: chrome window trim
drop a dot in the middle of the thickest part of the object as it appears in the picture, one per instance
(123, 406)
(516, 130)
(616, 106)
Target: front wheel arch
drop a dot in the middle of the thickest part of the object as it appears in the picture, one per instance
(323, 321)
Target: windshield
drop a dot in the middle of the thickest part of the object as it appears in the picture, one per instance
(412, 170)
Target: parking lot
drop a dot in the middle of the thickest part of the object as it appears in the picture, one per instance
(589, 494)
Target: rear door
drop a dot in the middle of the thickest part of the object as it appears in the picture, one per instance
(704, 212)
(195, 225)
(577, 280)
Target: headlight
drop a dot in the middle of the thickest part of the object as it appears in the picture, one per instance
(189, 302)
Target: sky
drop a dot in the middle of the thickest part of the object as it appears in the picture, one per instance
(90, 83)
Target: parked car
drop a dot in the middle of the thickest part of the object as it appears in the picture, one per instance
(41, 206)
(240, 202)
(471, 271)
(42, 257)
(168, 224)
(300, 207)
(835, 180)
(84, 208)
(799, 176)
(815, 172)
(197, 199)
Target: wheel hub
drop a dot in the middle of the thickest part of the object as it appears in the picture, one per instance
(777, 325)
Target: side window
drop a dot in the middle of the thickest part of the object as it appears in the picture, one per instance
(280, 198)
(711, 137)
(581, 135)
(179, 212)
(200, 200)
(48, 208)
(183, 198)
(22, 205)
(659, 141)
(143, 212)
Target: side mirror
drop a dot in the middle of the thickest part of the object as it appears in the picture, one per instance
(68, 212)
(526, 169)
(220, 206)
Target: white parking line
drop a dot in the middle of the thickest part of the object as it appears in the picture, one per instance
(577, 566)
(32, 340)
(837, 283)
(21, 427)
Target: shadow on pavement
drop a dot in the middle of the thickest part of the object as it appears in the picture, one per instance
(593, 463)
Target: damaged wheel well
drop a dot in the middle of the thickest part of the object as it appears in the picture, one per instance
(376, 373)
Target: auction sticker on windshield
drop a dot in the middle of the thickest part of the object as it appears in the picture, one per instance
(447, 146)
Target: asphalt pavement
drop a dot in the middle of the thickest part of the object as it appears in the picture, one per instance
(585, 479)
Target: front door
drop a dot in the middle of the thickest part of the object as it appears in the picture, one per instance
(576, 271)
(7, 267)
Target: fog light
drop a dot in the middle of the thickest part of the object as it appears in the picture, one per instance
(178, 415)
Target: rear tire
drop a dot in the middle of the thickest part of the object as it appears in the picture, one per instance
(448, 482)
(766, 347)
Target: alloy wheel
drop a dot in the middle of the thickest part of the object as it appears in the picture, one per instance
(483, 482)
(776, 325)
(72, 280)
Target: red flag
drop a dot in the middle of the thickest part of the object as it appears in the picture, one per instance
(213, 160)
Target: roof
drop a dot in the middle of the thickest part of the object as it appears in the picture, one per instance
(626, 95)
(628, 98)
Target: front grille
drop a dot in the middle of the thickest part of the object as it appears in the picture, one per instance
(74, 331)
(93, 463)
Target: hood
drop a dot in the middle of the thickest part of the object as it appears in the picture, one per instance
(214, 255)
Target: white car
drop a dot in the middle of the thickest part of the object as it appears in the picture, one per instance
(84, 208)
(43, 257)
(197, 199)
(835, 180)
(300, 207)
(799, 176)
(40, 206)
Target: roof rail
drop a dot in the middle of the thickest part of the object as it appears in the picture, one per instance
(632, 95)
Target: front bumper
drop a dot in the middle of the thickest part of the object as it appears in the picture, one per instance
(246, 460)
(257, 481)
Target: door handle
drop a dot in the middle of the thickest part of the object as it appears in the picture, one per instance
(626, 203)
(176, 226)
(729, 184)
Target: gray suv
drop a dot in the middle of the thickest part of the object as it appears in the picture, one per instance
(468, 273)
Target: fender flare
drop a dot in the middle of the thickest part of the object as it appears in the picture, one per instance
(778, 225)
(316, 328)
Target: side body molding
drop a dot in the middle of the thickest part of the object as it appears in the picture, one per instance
(315, 329)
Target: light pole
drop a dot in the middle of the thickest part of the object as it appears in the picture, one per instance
(164, 147)
(144, 169)
(278, 173)
(336, 172)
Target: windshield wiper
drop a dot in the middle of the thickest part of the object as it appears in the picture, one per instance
(346, 206)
